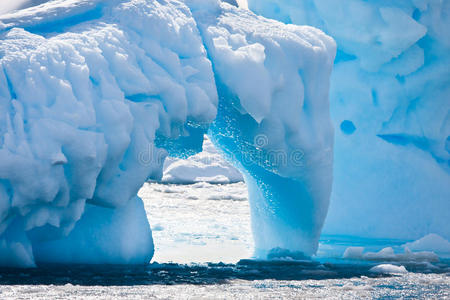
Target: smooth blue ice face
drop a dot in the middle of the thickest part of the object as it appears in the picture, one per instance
(94, 95)
(390, 103)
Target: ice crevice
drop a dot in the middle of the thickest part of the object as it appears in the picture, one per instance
(95, 95)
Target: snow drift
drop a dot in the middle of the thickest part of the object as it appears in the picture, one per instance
(94, 95)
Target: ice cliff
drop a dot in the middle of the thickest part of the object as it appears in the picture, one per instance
(390, 104)
(94, 95)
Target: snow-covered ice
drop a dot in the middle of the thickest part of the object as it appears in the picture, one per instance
(94, 95)
(80, 112)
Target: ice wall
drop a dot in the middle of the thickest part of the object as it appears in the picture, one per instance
(390, 103)
(95, 94)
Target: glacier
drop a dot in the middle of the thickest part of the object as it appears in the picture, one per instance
(95, 95)
(390, 105)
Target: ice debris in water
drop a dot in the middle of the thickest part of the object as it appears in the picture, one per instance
(388, 254)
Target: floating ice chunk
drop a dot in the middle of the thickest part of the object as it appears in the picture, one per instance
(388, 269)
(206, 166)
(430, 242)
(353, 253)
(388, 254)
(390, 100)
(384, 254)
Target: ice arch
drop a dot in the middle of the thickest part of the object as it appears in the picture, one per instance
(95, 94)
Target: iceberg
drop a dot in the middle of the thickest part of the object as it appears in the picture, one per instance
(94, 95)
(206, 166)
(390, 104)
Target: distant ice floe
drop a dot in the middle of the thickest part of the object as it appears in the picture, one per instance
(206, 166)
(427, 249)
(388, 254)
(388, 269)
(430, 242)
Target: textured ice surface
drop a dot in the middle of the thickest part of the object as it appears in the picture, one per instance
(390, 103)
(86, 107)
(95, 94)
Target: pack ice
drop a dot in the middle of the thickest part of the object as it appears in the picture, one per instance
(94, 95)
(390, 104)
